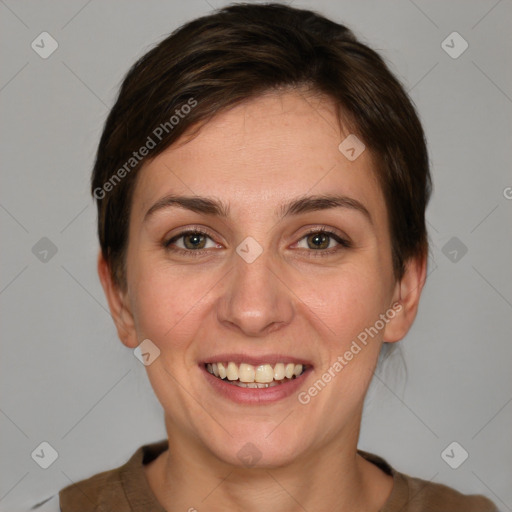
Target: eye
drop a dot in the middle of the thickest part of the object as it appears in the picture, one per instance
(196, 242)
(193, 240)
(323, 241)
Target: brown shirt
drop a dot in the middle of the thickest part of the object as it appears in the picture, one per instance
(126, 489)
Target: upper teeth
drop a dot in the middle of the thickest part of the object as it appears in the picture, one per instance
(248, 373)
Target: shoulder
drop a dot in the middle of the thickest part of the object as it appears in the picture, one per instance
(424, 495)
(410, 494)
(116, 489)
(89, 494)
(101, 490)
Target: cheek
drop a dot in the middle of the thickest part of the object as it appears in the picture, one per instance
(352, 306)
(346, 302)
(168, 307)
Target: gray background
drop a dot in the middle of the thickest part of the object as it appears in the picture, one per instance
(67, 380)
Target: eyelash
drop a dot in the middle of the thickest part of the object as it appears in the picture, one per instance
(343, 243)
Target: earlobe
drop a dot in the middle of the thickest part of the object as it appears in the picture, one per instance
(407, 294)
(118, 305)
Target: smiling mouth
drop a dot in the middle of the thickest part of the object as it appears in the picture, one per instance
(246, 375)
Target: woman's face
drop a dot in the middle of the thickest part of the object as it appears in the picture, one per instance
(258, 287)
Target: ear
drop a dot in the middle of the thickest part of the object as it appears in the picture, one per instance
(118, 304)
(406, 299)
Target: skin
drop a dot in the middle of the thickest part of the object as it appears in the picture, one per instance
(290, 300)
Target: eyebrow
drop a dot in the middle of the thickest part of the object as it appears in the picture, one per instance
(304, 204)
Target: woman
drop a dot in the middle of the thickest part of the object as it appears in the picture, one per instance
(261, 185)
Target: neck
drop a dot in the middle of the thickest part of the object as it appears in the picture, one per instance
(335, 477)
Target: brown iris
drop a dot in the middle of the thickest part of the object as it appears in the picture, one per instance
(319, 240)
(195, 240)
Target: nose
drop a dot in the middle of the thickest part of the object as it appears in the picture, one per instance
(255, 300)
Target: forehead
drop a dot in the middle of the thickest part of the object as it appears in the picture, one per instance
(261, 152)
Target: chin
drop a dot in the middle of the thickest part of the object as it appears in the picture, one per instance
(268, 446)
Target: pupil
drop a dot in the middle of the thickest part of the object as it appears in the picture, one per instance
(319, 240)
(195, 239)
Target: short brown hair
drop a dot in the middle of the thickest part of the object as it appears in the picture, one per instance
(236, 54)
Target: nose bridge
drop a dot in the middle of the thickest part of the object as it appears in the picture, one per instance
(254, 299)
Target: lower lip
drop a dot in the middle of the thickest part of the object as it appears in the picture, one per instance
(255, 395)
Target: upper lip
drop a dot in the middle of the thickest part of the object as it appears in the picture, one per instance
(256, 360)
